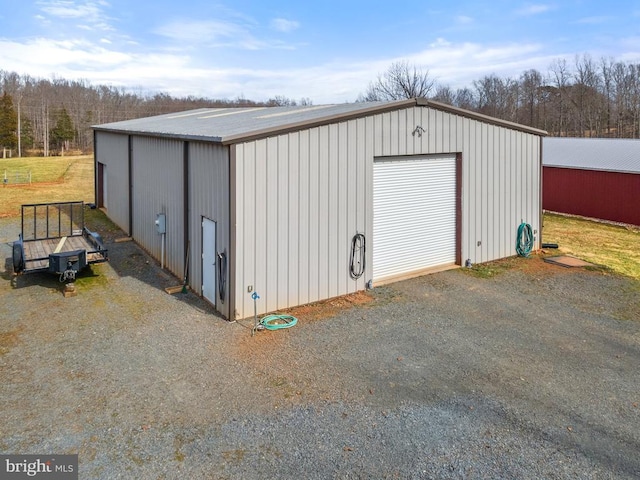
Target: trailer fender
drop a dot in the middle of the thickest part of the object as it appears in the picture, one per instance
(18, 258)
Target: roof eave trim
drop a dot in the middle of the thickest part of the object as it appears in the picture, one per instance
(593, 169)
(480, 116)
(422, 102)
(175, 136)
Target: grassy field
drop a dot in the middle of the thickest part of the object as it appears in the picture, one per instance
(612, 246)
(54, 179)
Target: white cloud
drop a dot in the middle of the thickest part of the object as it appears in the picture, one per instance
(44, 54)
(284, 25)
(440, 43)
(73, 9)
(463, 20)
(180, 71)
(534, 9)
(92, 13)
(593, 20)
(458, 64)
(200, 31)
(218, 34)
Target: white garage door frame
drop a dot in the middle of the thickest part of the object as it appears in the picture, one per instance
(416, 214)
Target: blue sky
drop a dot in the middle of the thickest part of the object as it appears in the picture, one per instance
(327, 51)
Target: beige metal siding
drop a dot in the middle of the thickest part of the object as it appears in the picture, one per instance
(112, 150)
(209, 198)
(300, 198)
(297, 201)
(157, 173)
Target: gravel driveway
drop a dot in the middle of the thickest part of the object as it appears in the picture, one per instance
(532, 373)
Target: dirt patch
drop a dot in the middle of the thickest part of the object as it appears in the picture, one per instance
(8, 340)
(259, 349)
(329, 308)
(532, 265)
(287, 369)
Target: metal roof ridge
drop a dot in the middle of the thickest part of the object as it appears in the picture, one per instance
(264, 132)
(379, 108)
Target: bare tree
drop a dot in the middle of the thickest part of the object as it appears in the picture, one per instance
(465, 99)
(444, 94)
(282, 101)
(560, 81)
(586, 96)
(497, 97)
(400, 81)
(606, 70)
(530, 97)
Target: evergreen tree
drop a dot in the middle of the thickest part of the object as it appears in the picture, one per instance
(8, 123)
(62, 132)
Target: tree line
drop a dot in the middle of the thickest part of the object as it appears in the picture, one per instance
(54, 116)
(586, 98)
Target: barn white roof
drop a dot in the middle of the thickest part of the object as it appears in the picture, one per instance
(608, 154)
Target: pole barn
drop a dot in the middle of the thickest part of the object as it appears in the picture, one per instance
(593, 177)
(306, 203)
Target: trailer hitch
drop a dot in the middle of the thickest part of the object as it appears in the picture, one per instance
(69, 275)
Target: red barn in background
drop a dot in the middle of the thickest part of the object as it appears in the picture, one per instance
(592, 177)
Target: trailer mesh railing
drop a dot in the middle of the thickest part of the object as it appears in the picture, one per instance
(52, 220)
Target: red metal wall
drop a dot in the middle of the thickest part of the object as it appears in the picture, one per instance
(605, 195)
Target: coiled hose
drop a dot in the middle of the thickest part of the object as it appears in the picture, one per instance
(222, 275)
(358, 256)
(277, 322)
(524, 242)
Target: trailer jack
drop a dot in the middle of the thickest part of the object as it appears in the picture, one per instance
(68, 277)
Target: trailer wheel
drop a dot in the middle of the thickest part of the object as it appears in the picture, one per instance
(18, 258)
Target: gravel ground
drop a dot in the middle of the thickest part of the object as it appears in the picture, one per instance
(532, 373)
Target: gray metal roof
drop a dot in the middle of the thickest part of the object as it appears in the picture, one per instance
(232, 125)
(609, 154)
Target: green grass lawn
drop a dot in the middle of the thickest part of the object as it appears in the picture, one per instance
(612, 246)
(53, 179)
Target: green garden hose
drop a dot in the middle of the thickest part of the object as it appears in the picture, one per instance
(277, 322)
(524, 243)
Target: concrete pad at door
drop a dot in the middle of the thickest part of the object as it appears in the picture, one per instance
(567, 261)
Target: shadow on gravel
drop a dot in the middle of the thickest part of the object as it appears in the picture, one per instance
(126, 259)
(7, 273)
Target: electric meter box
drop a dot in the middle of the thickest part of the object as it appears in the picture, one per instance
(161, 223)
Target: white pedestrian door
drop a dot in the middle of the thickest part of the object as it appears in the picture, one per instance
(209, 260)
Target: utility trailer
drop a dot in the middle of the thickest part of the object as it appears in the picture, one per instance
(54, 239)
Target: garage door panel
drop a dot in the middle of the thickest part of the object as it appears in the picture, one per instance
(414, 214)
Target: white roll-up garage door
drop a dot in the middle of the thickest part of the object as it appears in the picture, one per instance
(414, 214)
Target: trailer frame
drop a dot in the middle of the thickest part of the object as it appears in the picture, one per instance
(54, 239)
